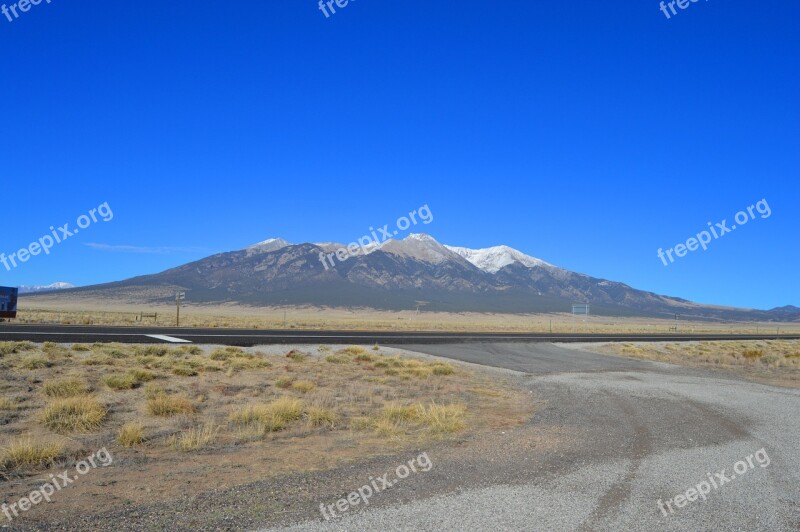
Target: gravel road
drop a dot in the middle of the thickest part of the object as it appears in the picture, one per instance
(630, 433)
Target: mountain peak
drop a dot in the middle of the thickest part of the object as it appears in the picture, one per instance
(421, 247)
(496, 258)
(270, 244)
(421, 237)
(786, 308)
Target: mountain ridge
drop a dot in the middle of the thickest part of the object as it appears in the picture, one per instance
(403, 274)
(26, 289)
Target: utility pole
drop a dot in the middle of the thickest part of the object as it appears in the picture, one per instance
(179, 296)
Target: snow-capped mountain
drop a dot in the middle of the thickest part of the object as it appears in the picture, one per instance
(49, 288)
(271, 244)
(400, 274)
(496, 258)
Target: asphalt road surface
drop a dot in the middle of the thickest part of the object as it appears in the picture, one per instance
(251, 337)
(533, 358)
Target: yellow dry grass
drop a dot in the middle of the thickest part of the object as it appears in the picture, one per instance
(131, 434)
(303, 386)
(169, 405)
(768, 361)
(27, 453)
(194, 439)
(234, 413)
(69, 387)
(395, 419)
(272, 417)
(74, 414)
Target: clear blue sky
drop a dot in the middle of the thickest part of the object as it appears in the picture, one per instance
(586, 133)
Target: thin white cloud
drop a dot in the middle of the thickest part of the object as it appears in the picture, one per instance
(160, 250)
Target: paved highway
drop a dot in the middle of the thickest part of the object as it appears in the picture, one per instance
(251, 337)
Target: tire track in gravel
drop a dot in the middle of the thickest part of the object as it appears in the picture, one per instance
(641, 446)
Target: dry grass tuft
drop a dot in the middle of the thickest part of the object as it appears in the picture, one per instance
(74, 414)
(191, 349)
(142, 375)
(272, 417)
(442, 419)
(352, 350)
(7, 404)
(395, 419)
(284, 383)
(194, 439)
(295, 355)
(443, 368)
(184, 370)
(303, 386)
(10, 348)
(33, 362)
(395, 412)
(752, 353)
(99, 360)
(419, 372)
(24, 453)
(319, 416)
(220, 354)
(63, 388)
(169, 405)
(152, 350)
(387, 428)
(121, 382)
(131, 434)
(152, 390)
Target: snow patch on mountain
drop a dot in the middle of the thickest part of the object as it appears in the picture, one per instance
(496, 258)
(24, 289)
(271, 244)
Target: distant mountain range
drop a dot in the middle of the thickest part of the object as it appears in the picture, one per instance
(49, 288)
(416, 272)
